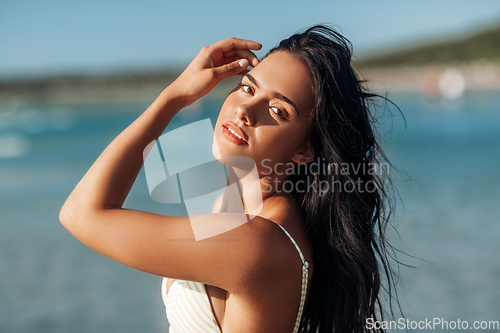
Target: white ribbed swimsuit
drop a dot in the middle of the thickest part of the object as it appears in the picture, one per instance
(188, 307)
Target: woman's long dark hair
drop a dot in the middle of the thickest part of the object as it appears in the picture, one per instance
(344, 201)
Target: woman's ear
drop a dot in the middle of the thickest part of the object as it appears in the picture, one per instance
(305, 155)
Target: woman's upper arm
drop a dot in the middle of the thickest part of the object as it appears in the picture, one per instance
(166, 246)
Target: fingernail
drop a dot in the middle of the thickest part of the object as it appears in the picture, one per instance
(243, 63)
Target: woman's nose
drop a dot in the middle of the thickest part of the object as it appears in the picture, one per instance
(249, 112)
(245, 114)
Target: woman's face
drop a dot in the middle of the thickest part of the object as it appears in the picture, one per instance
(267, 117)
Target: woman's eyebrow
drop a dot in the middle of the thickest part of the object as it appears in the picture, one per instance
(287, 100)
(275, 94)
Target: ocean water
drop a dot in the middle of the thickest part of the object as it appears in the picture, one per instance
(446, 157)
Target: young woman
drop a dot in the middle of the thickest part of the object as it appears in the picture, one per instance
(309, 260)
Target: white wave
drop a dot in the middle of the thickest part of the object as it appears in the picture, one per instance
(14, 145)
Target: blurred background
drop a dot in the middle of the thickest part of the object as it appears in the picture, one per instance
(73, 74)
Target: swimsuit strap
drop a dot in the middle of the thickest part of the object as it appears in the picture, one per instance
(305, 277)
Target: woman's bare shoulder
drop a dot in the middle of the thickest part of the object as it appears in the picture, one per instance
(274, 254)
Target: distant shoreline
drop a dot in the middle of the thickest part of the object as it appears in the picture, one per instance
(114, 89)
(449, 80)
(431, 80)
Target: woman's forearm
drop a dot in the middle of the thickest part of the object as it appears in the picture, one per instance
(109, 180)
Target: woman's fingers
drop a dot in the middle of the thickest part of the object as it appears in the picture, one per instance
(238, 54)
(237, 43)
(213, 63)
(230, 69)
(231, 47)
(232, 56)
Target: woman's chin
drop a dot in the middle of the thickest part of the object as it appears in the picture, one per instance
(223, 153)
(216, 151)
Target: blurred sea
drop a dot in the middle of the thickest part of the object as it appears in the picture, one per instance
(447, 158)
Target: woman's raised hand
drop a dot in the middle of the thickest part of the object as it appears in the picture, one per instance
(213, 63)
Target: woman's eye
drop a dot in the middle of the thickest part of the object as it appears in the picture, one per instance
(278, 111)
(246, 89)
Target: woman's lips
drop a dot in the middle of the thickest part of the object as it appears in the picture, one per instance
(234, 134)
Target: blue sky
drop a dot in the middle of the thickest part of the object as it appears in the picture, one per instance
(57, 37)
